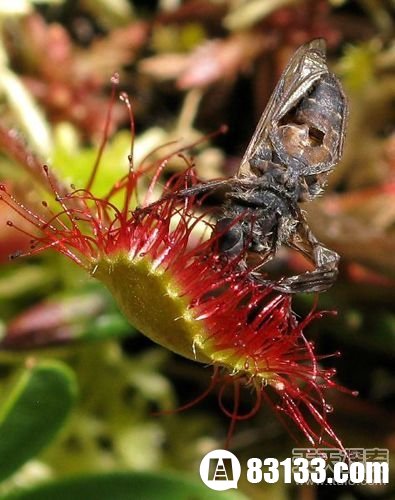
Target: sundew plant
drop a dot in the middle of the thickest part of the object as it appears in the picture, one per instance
(179, 290)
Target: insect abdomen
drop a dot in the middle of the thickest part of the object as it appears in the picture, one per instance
(309, 137)
(324, 109)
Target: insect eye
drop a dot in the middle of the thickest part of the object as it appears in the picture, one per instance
(316, 137)
(230, 239)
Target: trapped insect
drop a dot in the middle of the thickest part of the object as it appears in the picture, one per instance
(298, 141)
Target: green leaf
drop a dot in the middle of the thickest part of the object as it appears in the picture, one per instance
(124, 486)
(35, 410)
(357, 65)
(74, 163)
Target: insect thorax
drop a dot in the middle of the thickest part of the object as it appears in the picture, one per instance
(265, 212)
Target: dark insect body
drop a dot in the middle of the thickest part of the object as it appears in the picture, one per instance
(298, 141)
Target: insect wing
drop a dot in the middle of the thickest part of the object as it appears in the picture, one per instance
(306, 66)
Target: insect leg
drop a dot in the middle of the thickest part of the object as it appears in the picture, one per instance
(195, 190)
(325, 260)
(204, 187)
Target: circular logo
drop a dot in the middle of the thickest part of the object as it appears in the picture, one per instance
(220, 470)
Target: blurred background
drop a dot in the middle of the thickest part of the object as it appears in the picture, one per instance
(189, 67)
